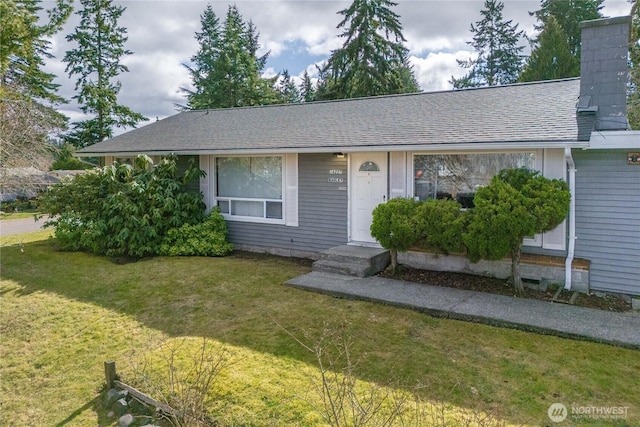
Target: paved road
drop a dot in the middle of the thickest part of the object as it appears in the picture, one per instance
(9, 227)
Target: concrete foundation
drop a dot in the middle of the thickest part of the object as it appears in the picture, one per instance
(535, 271)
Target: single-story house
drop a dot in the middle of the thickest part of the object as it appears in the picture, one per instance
(297, 179)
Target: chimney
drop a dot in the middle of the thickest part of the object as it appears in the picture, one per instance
(603, 75)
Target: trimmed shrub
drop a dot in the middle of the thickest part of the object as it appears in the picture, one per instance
(394, 227)
(518, 203)
(439, 225)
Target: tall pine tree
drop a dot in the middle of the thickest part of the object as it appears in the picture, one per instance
(97, 62)
(28, 94)
(226, 71)
(552, 57)
(307, 90)
(203, 63)
(24, 46)
(569, 14)
(496, 43)
(373, 58)
(633, 101)
(289, 92)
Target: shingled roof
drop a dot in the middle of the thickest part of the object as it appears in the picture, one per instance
(521, 115)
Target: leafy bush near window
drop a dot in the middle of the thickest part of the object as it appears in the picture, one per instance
(516, 204)
(123, 210)
(209, 238)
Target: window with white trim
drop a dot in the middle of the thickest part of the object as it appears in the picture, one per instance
(459, 176)
(250, 187)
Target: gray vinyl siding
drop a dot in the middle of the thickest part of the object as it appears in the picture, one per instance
(322, 211)
(608, 219)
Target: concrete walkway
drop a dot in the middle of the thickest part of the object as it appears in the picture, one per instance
(621, 329)
(9, 227)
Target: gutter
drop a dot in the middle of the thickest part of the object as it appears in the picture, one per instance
(572, 218)
(442, 148)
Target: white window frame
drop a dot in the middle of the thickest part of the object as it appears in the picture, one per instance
(535, 241)
(289, 191)
(230, 217)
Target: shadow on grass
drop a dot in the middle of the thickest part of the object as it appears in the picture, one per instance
(240, 300)
(94, 404)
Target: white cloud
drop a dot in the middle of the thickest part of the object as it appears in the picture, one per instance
(298, 33)
(418, 46)
(434, 71)
(269, 73)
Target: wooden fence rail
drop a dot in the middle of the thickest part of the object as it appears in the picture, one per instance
(112, 382)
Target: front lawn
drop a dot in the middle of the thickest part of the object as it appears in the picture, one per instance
(63, 314)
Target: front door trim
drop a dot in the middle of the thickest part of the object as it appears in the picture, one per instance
(367, 189)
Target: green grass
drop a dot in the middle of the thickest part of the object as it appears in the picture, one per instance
(63, 314)
(18, 215)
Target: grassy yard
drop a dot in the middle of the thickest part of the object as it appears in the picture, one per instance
(17, 215)
(63, 314)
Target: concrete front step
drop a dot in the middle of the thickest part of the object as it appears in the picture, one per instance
(358, 261)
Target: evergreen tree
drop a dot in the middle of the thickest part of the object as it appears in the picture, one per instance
(97, 62)
(569, 14)
(496, 42)
(203, 64)
(254, 45)
(633, 102)
(28, 95)
(289, 92)
(24, 46)
(552, 57)
(225, 72)
(307, 91)
(372, 60)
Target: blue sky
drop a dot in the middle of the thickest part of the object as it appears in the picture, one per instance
(298, 33)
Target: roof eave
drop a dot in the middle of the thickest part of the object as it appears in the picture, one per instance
(449, 147)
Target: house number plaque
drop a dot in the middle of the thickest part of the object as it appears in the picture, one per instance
(335, 176)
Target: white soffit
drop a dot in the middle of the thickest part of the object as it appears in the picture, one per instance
(615, 139)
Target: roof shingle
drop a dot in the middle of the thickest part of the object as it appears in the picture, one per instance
(541, 112)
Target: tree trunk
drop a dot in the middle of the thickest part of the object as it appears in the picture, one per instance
(394, 260)
(516, 254)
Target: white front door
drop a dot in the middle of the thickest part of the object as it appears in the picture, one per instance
(368, 190)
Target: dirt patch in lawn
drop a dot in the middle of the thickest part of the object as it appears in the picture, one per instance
(472, 282)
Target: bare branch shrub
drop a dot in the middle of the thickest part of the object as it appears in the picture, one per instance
(184, 379)
(347, 401)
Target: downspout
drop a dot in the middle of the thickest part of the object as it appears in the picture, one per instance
(572, 218)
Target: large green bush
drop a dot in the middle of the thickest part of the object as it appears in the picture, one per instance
(123, 210)
(209, 238)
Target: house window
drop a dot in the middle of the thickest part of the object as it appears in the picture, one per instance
(124, 160)
(458, 176)
(250, 187)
